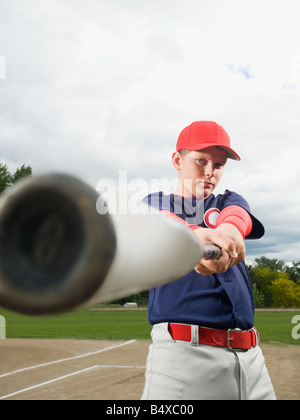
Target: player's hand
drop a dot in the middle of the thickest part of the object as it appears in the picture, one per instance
(230, 240)
(231, 232)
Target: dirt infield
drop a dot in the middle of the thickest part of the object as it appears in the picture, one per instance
(106, 370)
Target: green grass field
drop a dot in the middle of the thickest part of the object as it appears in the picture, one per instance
(274, 327)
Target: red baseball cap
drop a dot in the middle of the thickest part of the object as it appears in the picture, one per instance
(203, 134)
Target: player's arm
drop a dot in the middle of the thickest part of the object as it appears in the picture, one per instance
(233, 225)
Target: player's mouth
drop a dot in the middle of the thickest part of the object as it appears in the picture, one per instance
(208, 184)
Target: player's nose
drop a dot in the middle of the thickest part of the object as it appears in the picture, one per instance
(209, 169)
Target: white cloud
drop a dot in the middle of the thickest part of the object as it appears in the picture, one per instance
(101, 86)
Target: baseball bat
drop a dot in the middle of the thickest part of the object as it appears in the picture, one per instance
(58, 254)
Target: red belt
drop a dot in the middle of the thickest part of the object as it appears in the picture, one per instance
(232, 339)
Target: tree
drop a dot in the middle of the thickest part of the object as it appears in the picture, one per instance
(7, 179)
(274, 264)
(21, 173)
(263, 278)
(285, 292)
(259, 299)
(264, 272)
(294, 271)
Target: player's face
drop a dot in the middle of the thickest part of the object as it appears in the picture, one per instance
(199, 172)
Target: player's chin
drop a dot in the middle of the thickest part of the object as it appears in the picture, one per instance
(208, 190)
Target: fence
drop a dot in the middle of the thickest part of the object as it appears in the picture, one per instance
(2, 328)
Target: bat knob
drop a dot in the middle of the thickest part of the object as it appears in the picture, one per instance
(55, 249)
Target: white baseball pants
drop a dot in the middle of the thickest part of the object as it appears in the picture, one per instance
(178, 370)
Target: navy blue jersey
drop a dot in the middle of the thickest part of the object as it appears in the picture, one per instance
(223, 300)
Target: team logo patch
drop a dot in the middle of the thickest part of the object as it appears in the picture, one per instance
(210, 218)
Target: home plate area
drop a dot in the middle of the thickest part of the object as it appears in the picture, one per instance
(105, 370)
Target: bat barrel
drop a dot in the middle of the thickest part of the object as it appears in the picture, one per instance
(55, 250)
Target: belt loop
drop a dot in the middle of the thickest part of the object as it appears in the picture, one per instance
(255, 336)
(254, 340)
(194, 335)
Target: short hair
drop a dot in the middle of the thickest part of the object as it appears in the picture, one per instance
(184, 152)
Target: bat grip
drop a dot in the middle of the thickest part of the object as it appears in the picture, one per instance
(212, 252)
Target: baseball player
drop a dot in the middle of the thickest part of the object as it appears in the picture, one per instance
(205, 345)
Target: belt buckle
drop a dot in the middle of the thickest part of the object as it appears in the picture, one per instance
(229, 338)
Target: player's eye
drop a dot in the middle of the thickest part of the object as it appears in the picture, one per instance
(201, 161)
(219, 165)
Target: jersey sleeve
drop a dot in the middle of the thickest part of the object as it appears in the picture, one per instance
(233, 199)
(159, 201)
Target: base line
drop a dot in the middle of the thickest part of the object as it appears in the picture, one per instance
(69, 358)
(121, 366)
(47, 382)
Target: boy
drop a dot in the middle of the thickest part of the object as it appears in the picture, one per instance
(204, 343)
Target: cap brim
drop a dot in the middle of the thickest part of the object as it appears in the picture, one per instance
(230, 153)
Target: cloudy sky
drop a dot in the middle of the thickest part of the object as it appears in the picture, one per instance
(101, 86)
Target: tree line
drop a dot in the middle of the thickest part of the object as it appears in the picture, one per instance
(7, 179)
(275, 285)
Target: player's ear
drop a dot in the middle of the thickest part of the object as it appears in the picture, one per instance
(176, 160)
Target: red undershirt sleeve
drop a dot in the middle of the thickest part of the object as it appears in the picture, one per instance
(238, 217)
